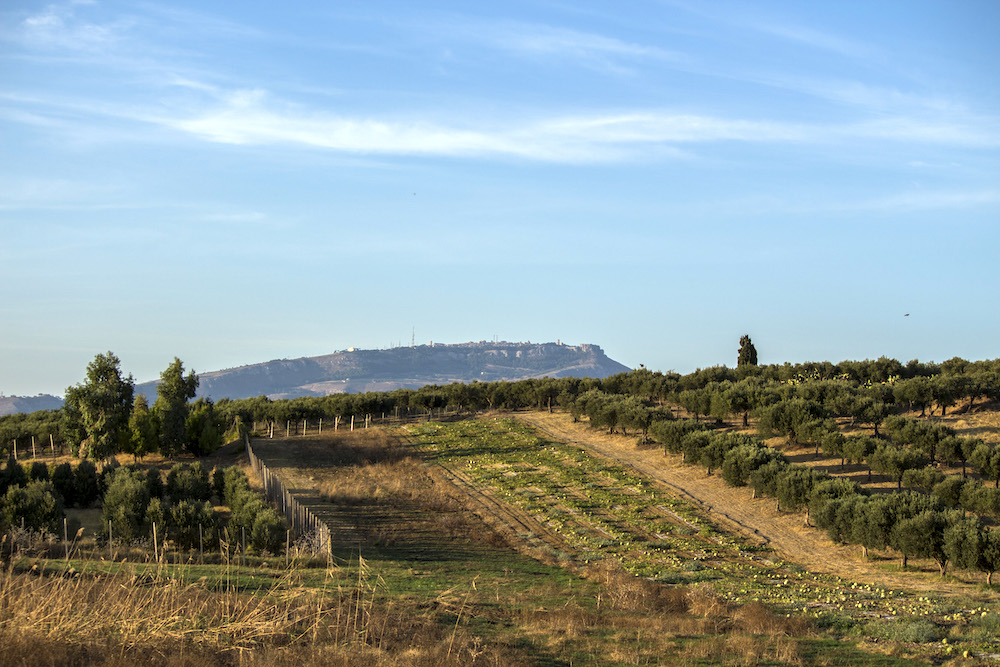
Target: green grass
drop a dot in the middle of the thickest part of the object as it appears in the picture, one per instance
(605, 511)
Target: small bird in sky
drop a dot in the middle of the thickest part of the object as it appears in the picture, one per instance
(907, 315)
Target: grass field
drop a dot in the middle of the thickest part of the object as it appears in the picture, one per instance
(479, 542)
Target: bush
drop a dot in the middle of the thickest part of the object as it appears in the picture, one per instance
(268, 532)
(234, 482)
(219, 482)
(13, 475)
(39, 472)
(188, 483)
(64, 483)
(86, 488)
(125, 504)
(154, 483)
(248, 506)
(187, 518)
(250, 514)
(108, 469)
(36, 506)
(156, 515)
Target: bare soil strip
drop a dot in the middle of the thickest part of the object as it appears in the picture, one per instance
(733, 508)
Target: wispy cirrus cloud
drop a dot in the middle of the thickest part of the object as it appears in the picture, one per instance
(59, 27)
(253, 117)
(561, 45)
(816, 39)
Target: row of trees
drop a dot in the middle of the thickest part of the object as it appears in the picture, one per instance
(104, 416)
(133, 501)
(867, 391)
(914, 524)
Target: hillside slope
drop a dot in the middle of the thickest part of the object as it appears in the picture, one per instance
(404, 367)
(10, 405)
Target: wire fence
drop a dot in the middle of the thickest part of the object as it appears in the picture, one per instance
(299, 517)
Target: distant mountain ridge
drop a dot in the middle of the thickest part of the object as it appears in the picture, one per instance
(403, 367)
(10, 405)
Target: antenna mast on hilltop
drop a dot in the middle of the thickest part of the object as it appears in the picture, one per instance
(413, 337)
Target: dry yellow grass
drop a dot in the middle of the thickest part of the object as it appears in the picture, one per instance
(122, 619)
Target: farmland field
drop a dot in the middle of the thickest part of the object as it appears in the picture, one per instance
(564, 506)
(486, 541)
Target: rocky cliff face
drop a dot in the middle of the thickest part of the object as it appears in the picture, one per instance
(409, 367)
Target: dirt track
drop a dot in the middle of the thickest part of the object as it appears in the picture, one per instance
(733, 508)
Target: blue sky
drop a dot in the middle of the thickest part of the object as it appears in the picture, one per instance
(236, 182)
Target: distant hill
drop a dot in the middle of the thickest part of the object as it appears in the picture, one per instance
(13, 404)
(403, 367)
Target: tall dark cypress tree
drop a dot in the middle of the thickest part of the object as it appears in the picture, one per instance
(748, 353)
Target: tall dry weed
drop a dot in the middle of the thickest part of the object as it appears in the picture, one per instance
(741, 649)
(151, 620)
(627, 592)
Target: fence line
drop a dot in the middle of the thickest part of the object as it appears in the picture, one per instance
(301, 519)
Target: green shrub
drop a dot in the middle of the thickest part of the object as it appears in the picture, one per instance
(38, 472)
(156, 515)
(188, 483)
(86, 488)
(189, 517)
(108, 469)
(219, 482)
(268, 532)
(125, 504)
(64, 483)
(154, 483)
(234, 482)
(35, 506)
(13, 475)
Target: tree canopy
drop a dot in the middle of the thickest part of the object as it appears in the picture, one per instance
(98, 410)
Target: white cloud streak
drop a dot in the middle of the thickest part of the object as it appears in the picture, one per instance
(253, 118)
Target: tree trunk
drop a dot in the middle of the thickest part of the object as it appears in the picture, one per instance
(989, 578)
(746, 419)
(864, 552)
(904, 561)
